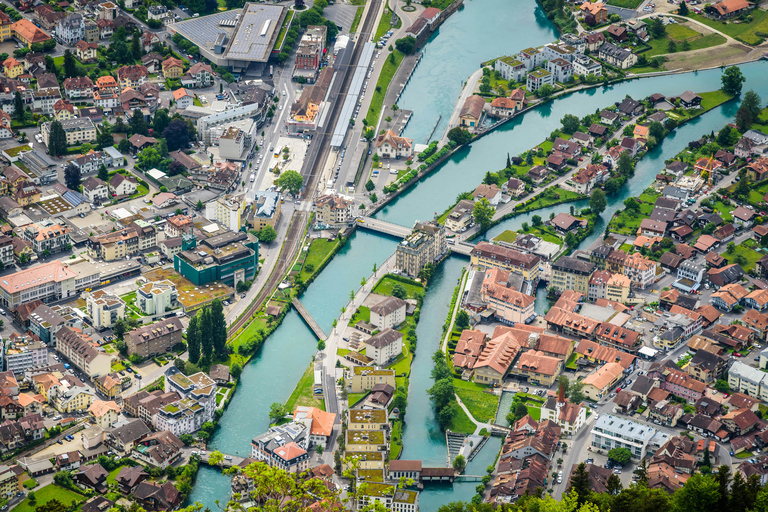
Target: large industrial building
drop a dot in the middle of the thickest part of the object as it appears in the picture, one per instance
(237, 38)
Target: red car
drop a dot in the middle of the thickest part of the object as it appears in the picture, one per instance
(737, 354)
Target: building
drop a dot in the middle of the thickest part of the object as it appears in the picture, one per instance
(157, 297)
(121, 185)
(489, 255)
(104, 308)
(318, 422)
(507, 303)
(226, 210)
(172, 67)
(184, 99)
(159, 449)
(597, 11)
(390, 145)
(460, 217)
(233, 143)
(389, 313)
(230, 258)
(12, 68)
(95, 190)
(360, 379)
(510, 68)
(48, 281)
(561, 69)
(611, 431)
(471, 114)
(132, 76)
(748, 380)
(599, 383)
(82, 352)
(78, 131)
(196, 406)
(46, 236)
(104, 413)
(538, 78)
(569, 417)
(640, 270)
(334, 210)
(571, 274)
(426, 244)
(132, 239)
(154, 339)
(265, 210)
(385, 346)
(283, 447)
(26, 33)
(537, 368)
(24, 353)
(616, 56)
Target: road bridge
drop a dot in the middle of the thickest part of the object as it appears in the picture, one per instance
(382, 226)
(228, 461)
(311, 323)
(463, 248)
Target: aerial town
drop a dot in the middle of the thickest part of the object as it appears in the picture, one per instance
(383, 255)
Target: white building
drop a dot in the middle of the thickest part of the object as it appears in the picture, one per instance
(388, 313)
(748, 380)
(232, 143)
(510, 68)
(334, 210)
(196, 406)
(47, 281)
(95, 189)
(612, 431)
(159, 297)
(226, 210)
(22, 356)
(539, 78)
(561, 69)
(81, 352)
(384, 347)
(104, 308)
(583, 66)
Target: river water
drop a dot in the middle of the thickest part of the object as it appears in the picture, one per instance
(481, 30)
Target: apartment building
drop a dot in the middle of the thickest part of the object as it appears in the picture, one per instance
(82, 352)
(48, 281)
(158, 297)
(491, 255)
(46, 235)
(360, 379)
(132, 239)
(611, 431)
(284, 447)
(571, 274)
(641, 271)
(24, 354)
(156, 338)
(425, 244)
(78, 131)
(226, 210)
(334, 210)
(104, 308)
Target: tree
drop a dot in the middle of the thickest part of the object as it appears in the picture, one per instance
(57, 140)
(545, 91)
(399, 291)
(236, 370)
(369, 185)
(624, 165)
(536, 220)
(406, 45)
(579, 484)
(570, 123)
(215, 458)
(193, 339)
(459, 135)
(613, 485)
(749, 110)
(462, 319)
(575, 393)
(51, 506)
(598, 202)
(657, 28)
(123, 146)
(620, 455)
(722, 386)
(103, 173)
(176, 134)
(218, 328)
(72, 176)
(18, 106)
(483, 213)
(656, 129)
(136, 46)
(138, 124)
(104, 139)
(459, 463)
(732, 80)
(267, 234)
(63, 478)
(699, 493)
(277, 411)
(70, 64)
(682, 10)
(724, 135)
(631, 204)
(291, 181)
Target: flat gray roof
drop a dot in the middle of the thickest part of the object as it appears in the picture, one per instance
(255, 33)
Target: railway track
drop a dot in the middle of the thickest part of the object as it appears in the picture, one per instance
(320, 150)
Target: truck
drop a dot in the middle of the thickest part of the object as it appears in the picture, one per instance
(253, 178)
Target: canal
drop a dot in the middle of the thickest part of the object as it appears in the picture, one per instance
(467, 38)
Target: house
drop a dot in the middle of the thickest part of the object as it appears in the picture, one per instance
(757, 170)
(318, 422)
(86, 52)
(725, 275)
(472, 112)
(159, 449)
(63, 110)
(743, 217)
(104, 413)
(538, 173)
(690, 99)
(650, 227)
(390, 145)
(93, 477)
(564, 223)
(199, 75)
(95, 190)
(183, 98)
(570, 417)
(536, 367)
(172, 68)
(599, 383)
(503, 107)
(121, 185)
(514, 187)
(598, 130)
(608, 117)
(729, 8)
(132, 76)
(598, 12)
(617, 33)
(153, 496)
(12, 68)
(490, 192)
(725, 158)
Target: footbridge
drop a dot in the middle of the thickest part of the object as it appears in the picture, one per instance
(311, 323)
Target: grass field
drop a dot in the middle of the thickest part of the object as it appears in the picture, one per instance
(387, 283)
(481, 405)
(385, 24)
(48, 493)
(712, 99)
(319, 250)
(744, 32)
(302, 393)
(507, 236)
(461, 422)
(745, 250)
(534, 410)
(356, 21)
(547, 198)
(626, 4)
(387, 72)
(680, 34)
(362, 314)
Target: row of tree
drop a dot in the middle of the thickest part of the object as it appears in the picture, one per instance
(207, 334)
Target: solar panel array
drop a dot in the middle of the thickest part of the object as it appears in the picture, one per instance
(355, 88)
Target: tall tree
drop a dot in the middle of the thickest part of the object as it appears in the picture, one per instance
(206, 334)
(700, 493)
(103, 173)
(138, 123)
(218, 328)
(580, 483)
(723, 479)
(176, 134)
(70, 64)
(483, 213)
(72, 177)
(732, 80)
(18, 106)
(161, 120)
(291, 181)
(193, 339)
(598, 202)
(613, 485)
(136, 46)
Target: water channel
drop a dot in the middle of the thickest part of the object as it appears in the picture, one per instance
(467, 38)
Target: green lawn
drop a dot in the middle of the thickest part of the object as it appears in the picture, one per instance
(724, 210)
(302, 393)
(550, 196)
(626, 4)
(481, 405)
(712, 99)
(571, 362)
(507, 236)
(48, 493)
(546, 233)
(319, 250)
(356, 21)
(743, 455)
(461, 422)
(388, 282)
(385, 23)
(534, 410)
(696, 41)
(353, 398)
(387, 72)
(745, 250)
(363, 314)
(402, 364)
(284, 28)
(744, 32)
